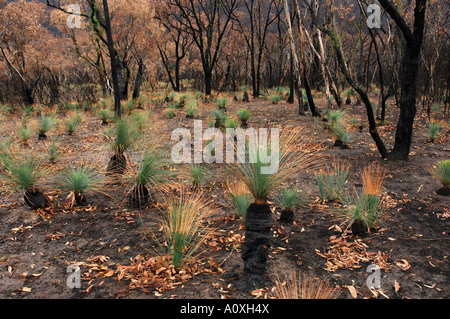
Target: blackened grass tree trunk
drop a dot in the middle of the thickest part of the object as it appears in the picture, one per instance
(293, 157)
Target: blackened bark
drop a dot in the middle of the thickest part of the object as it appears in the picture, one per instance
(291, 98)
(29, 99)
(117, 164)
(255, 249)
(138, 80)
(253, 69)
(408, 75)
(404, 131)
(54, 89)
(312, 105)
(34, 198)
(208, 81)
(177, 75)
(287, 216)
(165, 62)
(115, 64)
(139, 196)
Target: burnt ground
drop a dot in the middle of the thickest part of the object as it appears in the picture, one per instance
(412, 244)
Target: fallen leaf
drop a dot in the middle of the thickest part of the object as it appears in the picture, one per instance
(403, 264)
(353, 291)
(396, 286)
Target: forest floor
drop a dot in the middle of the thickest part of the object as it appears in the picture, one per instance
(113, 244)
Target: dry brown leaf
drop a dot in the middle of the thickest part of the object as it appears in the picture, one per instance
(396, 286)
(353, 291)
(403, 264)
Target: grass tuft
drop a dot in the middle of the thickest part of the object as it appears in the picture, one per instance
(300, 286)
(183, 227)
(442, 172)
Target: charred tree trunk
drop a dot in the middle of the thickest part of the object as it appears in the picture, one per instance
(291, 98)
(408, 76)
(208, 81)
(404, 131)
(312, 105)
(54, 89)
(115, 63)
(177, 87)
(29, 99)
(138, 80)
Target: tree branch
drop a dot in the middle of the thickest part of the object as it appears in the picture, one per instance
(390, 8)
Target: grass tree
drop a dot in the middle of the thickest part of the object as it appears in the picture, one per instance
(348, 94)
(276, 98)
(53, 149)
(364, 209)
(149, 172)
(335, 117)
(221, 103)
(220, 117)
(244, 115)
(433, 129)
(46, 123)
(170, 113)
(231, 123)
(72, 122)
(342, 134)
(77, 181)
(191, 111)
(441, 171)
(105, 115)
(121, 138)
(292, 156)
(290, 199)
(23, 174)
(24, 132)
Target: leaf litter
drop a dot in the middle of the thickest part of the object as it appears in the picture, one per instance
(346, 253)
